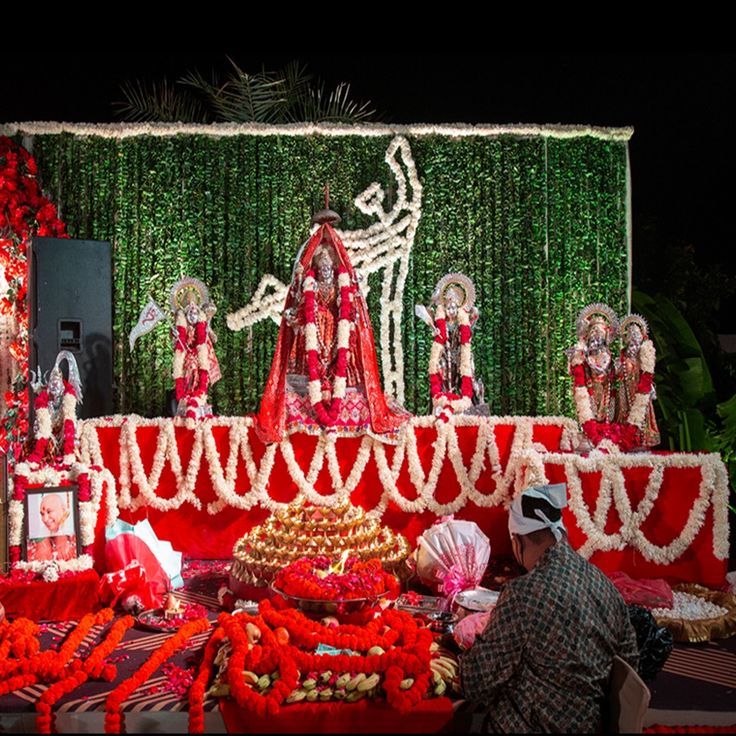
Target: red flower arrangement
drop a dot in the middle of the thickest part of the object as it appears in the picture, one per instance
(113, 705)
(318, 578)
(626, 436)
(285, 642)
(24, 212)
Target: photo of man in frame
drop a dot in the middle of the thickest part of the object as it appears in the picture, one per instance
(51, 525)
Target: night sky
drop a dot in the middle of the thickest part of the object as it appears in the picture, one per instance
(683, 156)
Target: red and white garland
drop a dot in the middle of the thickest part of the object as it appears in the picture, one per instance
(90, 481)
(328, 415)
(446, 404)
(196, 399)
(44, 433)
(647, 360)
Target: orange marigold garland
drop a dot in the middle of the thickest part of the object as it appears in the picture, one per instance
(272, 651)
(199, 686)
(113, 705)
(80, 671)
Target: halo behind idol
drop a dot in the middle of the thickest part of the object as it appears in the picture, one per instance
(186, 290)
(458, 282)
(587, 314)
(634, 319)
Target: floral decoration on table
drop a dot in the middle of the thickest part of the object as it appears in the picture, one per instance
(282, 657)
(321, 578)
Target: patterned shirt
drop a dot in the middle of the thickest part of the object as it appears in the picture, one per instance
(543, 662)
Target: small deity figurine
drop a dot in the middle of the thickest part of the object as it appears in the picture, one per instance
(324, 374)
(592, 366)
(195, 365)
(635, 370)
(454, 386)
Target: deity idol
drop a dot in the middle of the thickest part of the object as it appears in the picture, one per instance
(592, 364)
(195, 366)
(635, 370)
(454, 385)
(324, 374)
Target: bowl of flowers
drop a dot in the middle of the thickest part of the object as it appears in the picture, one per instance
(321, 585)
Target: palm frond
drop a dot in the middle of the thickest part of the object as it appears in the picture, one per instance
(158, 101)
(322, 105)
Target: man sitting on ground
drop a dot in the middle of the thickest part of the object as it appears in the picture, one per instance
(543, 662)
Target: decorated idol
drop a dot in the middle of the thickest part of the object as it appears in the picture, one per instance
(324, 374)
(635, 370)
(195, 365)
(454, 386)
(592, 365)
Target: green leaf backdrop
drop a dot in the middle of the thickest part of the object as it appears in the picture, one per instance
(538, 222)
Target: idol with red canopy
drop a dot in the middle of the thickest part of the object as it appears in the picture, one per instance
(324, 375)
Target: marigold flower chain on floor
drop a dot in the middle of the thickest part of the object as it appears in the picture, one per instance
(114, 702)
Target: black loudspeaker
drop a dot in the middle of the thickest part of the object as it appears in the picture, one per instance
(71, 309)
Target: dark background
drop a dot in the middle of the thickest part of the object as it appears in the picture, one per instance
(683, 160)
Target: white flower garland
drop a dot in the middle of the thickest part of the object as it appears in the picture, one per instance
(713, 493)
(366, 130)
(224, 474)
(50, 569)
(647, 361)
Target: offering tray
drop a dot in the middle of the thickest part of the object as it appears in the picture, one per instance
(324, 607)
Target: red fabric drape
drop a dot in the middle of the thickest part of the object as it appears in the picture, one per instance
(271, 419)
(69, 598)
(430, 716)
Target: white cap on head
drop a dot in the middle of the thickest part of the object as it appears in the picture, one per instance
(539, 507)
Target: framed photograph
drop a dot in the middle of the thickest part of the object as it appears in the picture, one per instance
(51, 518)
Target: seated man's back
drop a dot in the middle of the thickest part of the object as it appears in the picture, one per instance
(544, 660)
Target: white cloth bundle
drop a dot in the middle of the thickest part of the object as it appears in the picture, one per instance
(452, 556)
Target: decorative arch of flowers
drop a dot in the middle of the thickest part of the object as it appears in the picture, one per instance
(24, 212)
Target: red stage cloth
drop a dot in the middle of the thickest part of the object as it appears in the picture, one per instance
(204, 536)
(212, 536)
(680, 488)
(69, 598)
(430, 716)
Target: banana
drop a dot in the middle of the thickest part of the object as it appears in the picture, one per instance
(222, 690)
(325, 694)
(436, 677)
(342, 681)
(251, 678)
(407, 682)
(312, 695)
(264, 681)
(325, 676)
(296, 696)
(376, 650)
(369, 683)
(355, 682)
(433, 647)
(309, 684)
(440, 689)
(339, 694)
(449, 661)
(444, 672)
(355, 695)
(275, 676)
